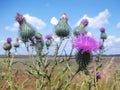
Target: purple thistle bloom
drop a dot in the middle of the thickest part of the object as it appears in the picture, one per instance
(9, 40)
(102, 29)
(85, 43)
(48, 37)
(20, 18)
(84, 22)
(92, 71)
(98, 76)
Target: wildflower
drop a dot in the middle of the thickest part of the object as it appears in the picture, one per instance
(49, 41)
(84, 22)
(48, 37)
(98, 76)
(103, 35)
(9, 40)
(62, 29)
(7, 46)
(85, 43)
(102, 29)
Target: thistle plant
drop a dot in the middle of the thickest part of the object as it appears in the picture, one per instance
(81, 28)
(8, 62)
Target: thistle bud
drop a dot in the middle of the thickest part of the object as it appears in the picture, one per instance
(16, 44)
(7, 46)
(48, 43)
(80, 29)
(38, 35)
(62, 29)
(26, 31)
(103, 35)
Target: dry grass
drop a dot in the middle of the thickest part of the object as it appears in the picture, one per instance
(108, 70)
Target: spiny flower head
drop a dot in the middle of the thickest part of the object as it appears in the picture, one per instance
(48, 37)
(9, 40)
(85, 43)
(19, 18)
(98, 76)
(84, 22)
(102, 29)
(62, 29)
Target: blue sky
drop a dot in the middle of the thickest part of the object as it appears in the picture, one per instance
(44, 14)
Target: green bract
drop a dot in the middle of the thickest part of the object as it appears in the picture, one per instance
(26, 31)
(48, 43)
(16, 44)
(7, 46)
(83, 59)
(38, 35)
(103, 35)
(79, 30)
(62, 29)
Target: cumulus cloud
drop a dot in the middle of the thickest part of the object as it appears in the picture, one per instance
(97, 21)
(37, 23)
(112, 40)
(54, 21)
(118, 25)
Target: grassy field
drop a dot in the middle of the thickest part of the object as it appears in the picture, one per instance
(110, 65)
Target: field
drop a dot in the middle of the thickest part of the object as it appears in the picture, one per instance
(110, 65)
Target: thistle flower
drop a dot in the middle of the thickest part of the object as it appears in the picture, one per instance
(84, 22)
(62, 29)
(85, 43)
(103, 35)
(9, 40)
(48, 37)
(26, 31)
(80, 29)
(20, 18)
(7, 45)
(98, 76)
(48, 41)
(102, 29)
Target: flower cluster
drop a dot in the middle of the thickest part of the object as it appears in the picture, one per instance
(85, 43)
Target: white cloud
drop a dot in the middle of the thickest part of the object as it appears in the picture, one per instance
(2, 41)
(55, 37)
(54, 21)
(118, 25)
(98, 21)
(112, 40)
(13, 27)
(37, 23)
